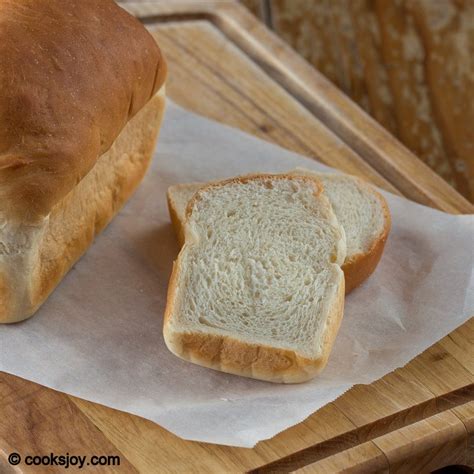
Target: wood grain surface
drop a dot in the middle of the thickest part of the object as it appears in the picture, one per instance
(423, 406)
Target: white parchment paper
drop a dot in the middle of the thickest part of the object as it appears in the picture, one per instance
(99, 335)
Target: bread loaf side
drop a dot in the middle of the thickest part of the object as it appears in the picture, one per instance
(34, 258)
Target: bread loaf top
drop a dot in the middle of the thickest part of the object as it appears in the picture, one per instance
(72, 74)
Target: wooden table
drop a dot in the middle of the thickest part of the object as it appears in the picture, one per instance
(227, 66)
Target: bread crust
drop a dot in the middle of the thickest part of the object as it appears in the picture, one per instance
(72, 74)
(357, 268)
(226, 353)
(52, 246)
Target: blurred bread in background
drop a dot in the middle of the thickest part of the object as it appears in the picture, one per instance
(408, 63)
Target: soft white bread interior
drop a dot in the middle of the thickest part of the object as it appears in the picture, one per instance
(34, 258)
(257, 289)
(364, 214)
(359, 208)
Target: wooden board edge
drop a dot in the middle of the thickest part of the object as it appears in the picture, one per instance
(430, 444)
(361, 459)
(370, 432)
(465, 413)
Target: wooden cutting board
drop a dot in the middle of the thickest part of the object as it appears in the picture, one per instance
(225, 65)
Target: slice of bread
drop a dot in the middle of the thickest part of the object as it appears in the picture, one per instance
(257, 289)
(359, 208)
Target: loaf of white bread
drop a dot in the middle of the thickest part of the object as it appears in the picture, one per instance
(81, 102)
(359, 208)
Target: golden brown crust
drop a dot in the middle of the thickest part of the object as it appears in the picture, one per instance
(359, 267)
(72, 74)
(240, 358)
(227, 354)
(74, 221)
